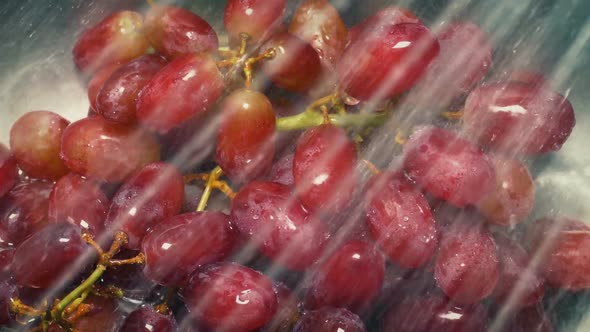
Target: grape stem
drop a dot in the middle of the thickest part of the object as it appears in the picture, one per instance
(311, 118)
(163, 307)
(77, 292)
(400, 137)
(213, 176)
(453, 115)
(374, 169)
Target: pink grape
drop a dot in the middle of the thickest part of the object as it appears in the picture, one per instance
(518, 118)
(184, 88)
(177, 246)
(116, 39)
(118, 95)
(230, 297)
(400, 220)
(61, 245)
(35, 141)
(324, 169)
(150, 196)
(338, 283)
(80, 202)
(448, 166)
(467, 266)
(283, 229)
(258, 18)
(175, 31)
(318, 23)
(245, 146)
(106, 151)
(387, 62)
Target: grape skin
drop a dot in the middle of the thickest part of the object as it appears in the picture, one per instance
(153, 194)
(174, 31)
(177, 246)
(324, 169)
(337, 282)
(61, 245)
(35, 141)
(245, 147)
(228, 296)
(467, 265)
(183, 89)
(80, 202)
(118, 95)
(118, 38)
(106, 151)
(448, 166)
(400, 220)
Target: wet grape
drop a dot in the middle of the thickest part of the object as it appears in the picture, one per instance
(35, 141)
(228, 296)
(153, 194)
(177, 246)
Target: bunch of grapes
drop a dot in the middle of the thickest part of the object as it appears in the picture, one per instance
(229, 186)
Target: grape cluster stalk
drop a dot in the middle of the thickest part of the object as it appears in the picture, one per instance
(225, 187)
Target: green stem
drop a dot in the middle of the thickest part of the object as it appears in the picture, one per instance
(312, 118)
(78, 291)
(213, 176)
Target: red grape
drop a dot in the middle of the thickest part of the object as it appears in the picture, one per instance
(330, 320)
(258, 18)
(177, 246)
(147, 319)
(387, 62)
(95, 84)
(153, 194)
(35, 140)
(118, 95)
(284, 230)
(465, 58)
(518, 118)
(78, 201)
(448, 166)
(400, 220)
(337, 281)
(296, 65)
(6, 256)
(186, 87)
(8, 170)
(175, 31)
(23, 211)
(432, 313)
(518, 285)
(467, 267)
(324, 169)
(513, 197)
(282, 170)
(565, 244)
(107, 151)
(318, 23)
(287, 310)
(245, 147)
(8, 291)
(230, 297)
(116, 39)
(48, 256)
(381, 21)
